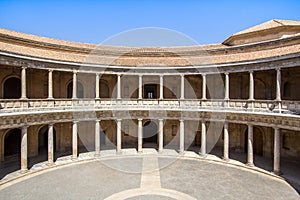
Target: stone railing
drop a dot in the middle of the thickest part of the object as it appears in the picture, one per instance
(10, 106)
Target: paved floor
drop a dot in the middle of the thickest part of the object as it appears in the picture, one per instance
(149, 176)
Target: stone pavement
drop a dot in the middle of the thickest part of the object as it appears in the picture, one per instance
(149, 175)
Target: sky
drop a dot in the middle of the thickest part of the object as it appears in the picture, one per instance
(91, 21)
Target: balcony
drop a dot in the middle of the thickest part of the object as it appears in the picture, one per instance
(45, 105)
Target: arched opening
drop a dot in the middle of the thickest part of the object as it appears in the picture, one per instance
(257, 141)
(80, 90)
(150, 91)
(104, 90)
(43, 141)
(287, 90)
(12, 151)
(12, 143)
(150, 134)
(12, 88)
(260, 89)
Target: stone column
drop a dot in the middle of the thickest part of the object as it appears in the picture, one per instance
(277, 151)
(203, 138)
(74, 95)
(97, 138)
(278, 84)
(74, 140)
(24, 149)
(161, 135)
(50, 84)
(226, 142)
(203, 86)
(251, 86)
(50, 144)
(97, 88)
(226, 86)
(119, 87)
(140, 135)
(181, 138)
(140, 86)
(23, 79)
(119, 136)
(250, 146)
(161, 85)
(182, 86)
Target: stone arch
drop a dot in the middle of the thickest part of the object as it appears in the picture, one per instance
(12, 142)
(43, 139)
(260, 89)
(11, 87)
(104, 89)
(150, 130)
(258, 140)
(80, 90)
(287, 90)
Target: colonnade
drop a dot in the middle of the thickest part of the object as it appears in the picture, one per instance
(161, 83)
(203, 153)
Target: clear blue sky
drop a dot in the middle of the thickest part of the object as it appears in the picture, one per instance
(93, 21)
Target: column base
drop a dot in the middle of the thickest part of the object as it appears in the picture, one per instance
(97, 155)
(50, 163)
(277, 172)
(250, 164)
(225, 159)
(74, 158)
(181, 152)
(119, 152)
(50, 98)
(23, 171)
(202, 155)
(140, 151)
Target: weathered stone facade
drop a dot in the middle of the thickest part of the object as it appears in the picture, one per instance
(249, 87)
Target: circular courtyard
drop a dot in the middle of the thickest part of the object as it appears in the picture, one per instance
(148, 177)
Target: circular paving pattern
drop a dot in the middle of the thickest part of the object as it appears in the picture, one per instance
(183, 179)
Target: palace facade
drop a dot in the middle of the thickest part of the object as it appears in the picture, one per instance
(61, 98)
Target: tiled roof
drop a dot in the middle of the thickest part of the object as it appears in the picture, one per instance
(40, 47)
(268, 25)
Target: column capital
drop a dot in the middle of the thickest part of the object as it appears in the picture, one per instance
(181, 120)
(24, 67)
(182, 75)
(25, 126)
(75, 121)
(119, 74)
(276, 128)
(140, 119)
(97, 120)
(160, 120)
(50, 70)
(251, 71)
(250, 125)
(278, 68)
(118, 120)
(97, 74)
(75, 71)
(51, 124)
(140, 75)
(226, 73)
(161, 75)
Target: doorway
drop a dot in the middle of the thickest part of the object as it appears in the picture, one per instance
(150, 91)
(12, 88)
(150, 134)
